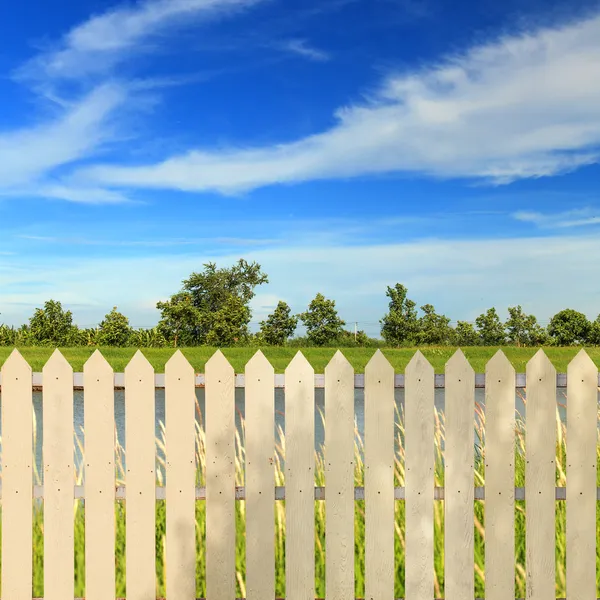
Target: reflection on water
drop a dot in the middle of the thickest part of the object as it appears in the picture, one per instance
(359, 405)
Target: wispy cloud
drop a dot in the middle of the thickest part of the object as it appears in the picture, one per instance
(518, 107)
(77, 130)
(302, 48)
(105, 40)
(572, 218)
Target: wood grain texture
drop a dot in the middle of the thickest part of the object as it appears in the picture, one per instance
(419, 465)
(180, 406)
(459, 578)
(220, 479)
(140, 479)
(299, 479)
(582, 435)
(499, 478)
(339, 478)
(260, 478)
(17, 482)
(59, 475)
(540, 473)
(379, 478)
(99, 427)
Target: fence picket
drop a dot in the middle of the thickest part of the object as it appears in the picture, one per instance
(58, 450)
(540, 473)
(459, 479)
(220, 479)
(99, 402)
(180, 406)
(299, 479)
(17, 483)
(499, 478)
(339, 478)
(140, 479)
(419, 463)
(582, 435)
(260, 478)
(379, 478)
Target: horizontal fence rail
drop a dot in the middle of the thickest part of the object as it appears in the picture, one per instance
(37, 381)
(319, 493)
(207, 462)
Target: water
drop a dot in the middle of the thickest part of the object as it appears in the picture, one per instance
(359, 407)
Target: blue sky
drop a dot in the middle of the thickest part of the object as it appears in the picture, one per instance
(344, 144)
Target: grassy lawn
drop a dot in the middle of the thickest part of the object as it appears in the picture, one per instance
(318, 357)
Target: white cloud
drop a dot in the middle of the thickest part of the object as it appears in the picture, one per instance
(302, 48)
(106, 39)
(460, 277)
(572, 218)
(518, 107)
(78, 130)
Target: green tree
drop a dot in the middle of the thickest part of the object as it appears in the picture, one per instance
(400, 325)
(179, 323)
(490, 328)
(569, 327)
(114, 330)
(594, 335)
(323, 325)
(52, 326)
(432, 328)
(279, 326)
(213, 305)
(465, 334)
(523, 329)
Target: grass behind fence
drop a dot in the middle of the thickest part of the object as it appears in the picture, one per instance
(478, 356)
(320, 507)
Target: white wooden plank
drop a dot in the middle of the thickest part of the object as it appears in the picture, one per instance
(17, 483)
(459, 453)
(499, 479)
(220, 479)
(379, 478)
(260, 479)
(99, 427)
(339, 479)
(59, 472)
(540, 473)
(419, 465)
(180, 406)
(582, 435)
(299, 479)
(140, 553)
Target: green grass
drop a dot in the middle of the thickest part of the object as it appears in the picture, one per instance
(320, 507)
(318, 357)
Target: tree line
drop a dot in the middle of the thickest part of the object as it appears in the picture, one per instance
(213, 308)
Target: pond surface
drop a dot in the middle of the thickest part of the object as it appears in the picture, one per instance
(359, 405)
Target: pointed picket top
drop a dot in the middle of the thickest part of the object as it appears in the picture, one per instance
(16, 363)
(379, 364)
(299, 367)
(500, 367)
(58, 363)
(540, 363)
(218, 362)
(418, 363)
(96, 362)
(260, 363)
(178, 361)
(459, 361)
(339, 361)
(139, 363)
(582, 365)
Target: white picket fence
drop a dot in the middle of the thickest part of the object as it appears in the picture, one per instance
(300, 493)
